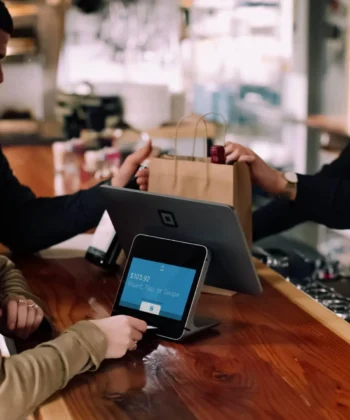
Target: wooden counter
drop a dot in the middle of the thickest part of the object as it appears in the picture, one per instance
(269, 359)
(277, 356)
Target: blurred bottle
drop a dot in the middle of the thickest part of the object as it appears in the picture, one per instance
(89, 139)
(91, 160)
(112, 157)
(70, 158)
(66, 168)
(64, 155)
(102, 164)
(106, 138)
(58, 151)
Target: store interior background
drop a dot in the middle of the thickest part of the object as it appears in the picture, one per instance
(265, 66)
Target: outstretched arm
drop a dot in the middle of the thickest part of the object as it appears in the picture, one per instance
(28, 223)
(322, 198)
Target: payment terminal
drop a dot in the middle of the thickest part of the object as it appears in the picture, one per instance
(162, 283)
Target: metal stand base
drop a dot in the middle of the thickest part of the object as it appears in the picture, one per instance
(198, 324)
(194, 325)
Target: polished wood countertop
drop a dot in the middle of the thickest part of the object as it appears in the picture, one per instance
(269, 359)
(277, 356)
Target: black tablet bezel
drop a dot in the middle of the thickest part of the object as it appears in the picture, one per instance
(168, 252)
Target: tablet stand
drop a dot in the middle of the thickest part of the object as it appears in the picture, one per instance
(197, 324)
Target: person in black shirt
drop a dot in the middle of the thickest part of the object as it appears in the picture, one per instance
(28, 223)
(322, 198)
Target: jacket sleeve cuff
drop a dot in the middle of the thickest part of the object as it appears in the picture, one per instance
(81, 348)
(92, 339)
(92, 205)
(310, 193)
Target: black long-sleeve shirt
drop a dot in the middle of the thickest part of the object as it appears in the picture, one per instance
(28, 223)
(322, 198)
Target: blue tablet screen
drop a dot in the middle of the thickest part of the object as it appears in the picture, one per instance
(157, 288)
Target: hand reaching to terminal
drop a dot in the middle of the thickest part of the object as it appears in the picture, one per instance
(130, 166)
(122, 332)
(269, 179)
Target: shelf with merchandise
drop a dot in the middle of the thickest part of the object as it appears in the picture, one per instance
(240, 51)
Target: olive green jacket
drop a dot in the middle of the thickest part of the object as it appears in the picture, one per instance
(29, 378)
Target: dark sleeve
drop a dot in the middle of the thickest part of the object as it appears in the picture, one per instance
(28, 223)
(324, 200)
(281, 215)
(339, 168)
(275, 217)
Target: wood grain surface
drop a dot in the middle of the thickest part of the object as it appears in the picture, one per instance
(269, 359)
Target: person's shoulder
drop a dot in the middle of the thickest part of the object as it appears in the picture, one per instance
(2, 157)
(4, 261)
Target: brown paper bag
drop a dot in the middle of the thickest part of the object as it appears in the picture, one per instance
(200, 179)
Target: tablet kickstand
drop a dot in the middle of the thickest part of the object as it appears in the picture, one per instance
(198, 324)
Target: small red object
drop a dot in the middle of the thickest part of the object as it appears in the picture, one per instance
(217, 154)
(113, 157)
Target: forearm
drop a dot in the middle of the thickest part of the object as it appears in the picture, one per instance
(283, 214)
(276, 217)
(324, 200)
(339, 168)
(319, 199)
(43, 222)
(28, 379)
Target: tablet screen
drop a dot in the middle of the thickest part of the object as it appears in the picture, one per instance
(157, 288)
(159, 283)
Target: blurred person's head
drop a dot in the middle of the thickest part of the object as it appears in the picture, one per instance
(6, 28)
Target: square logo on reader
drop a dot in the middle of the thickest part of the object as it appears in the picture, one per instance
(167, 218)
(150, 308)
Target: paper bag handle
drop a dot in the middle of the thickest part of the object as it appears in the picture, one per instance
(201, 119)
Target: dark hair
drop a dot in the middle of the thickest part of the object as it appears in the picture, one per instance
(94, 6)
(6, 22)
(89, 6)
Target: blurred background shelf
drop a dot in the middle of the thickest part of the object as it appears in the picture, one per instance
(22, 9)
(339, 125)
(22, 46)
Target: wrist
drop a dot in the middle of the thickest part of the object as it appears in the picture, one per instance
(287, 184)
(115, 182)
(94, 338)
(281, 183)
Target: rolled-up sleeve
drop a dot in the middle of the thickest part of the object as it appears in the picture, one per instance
(28, 379)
